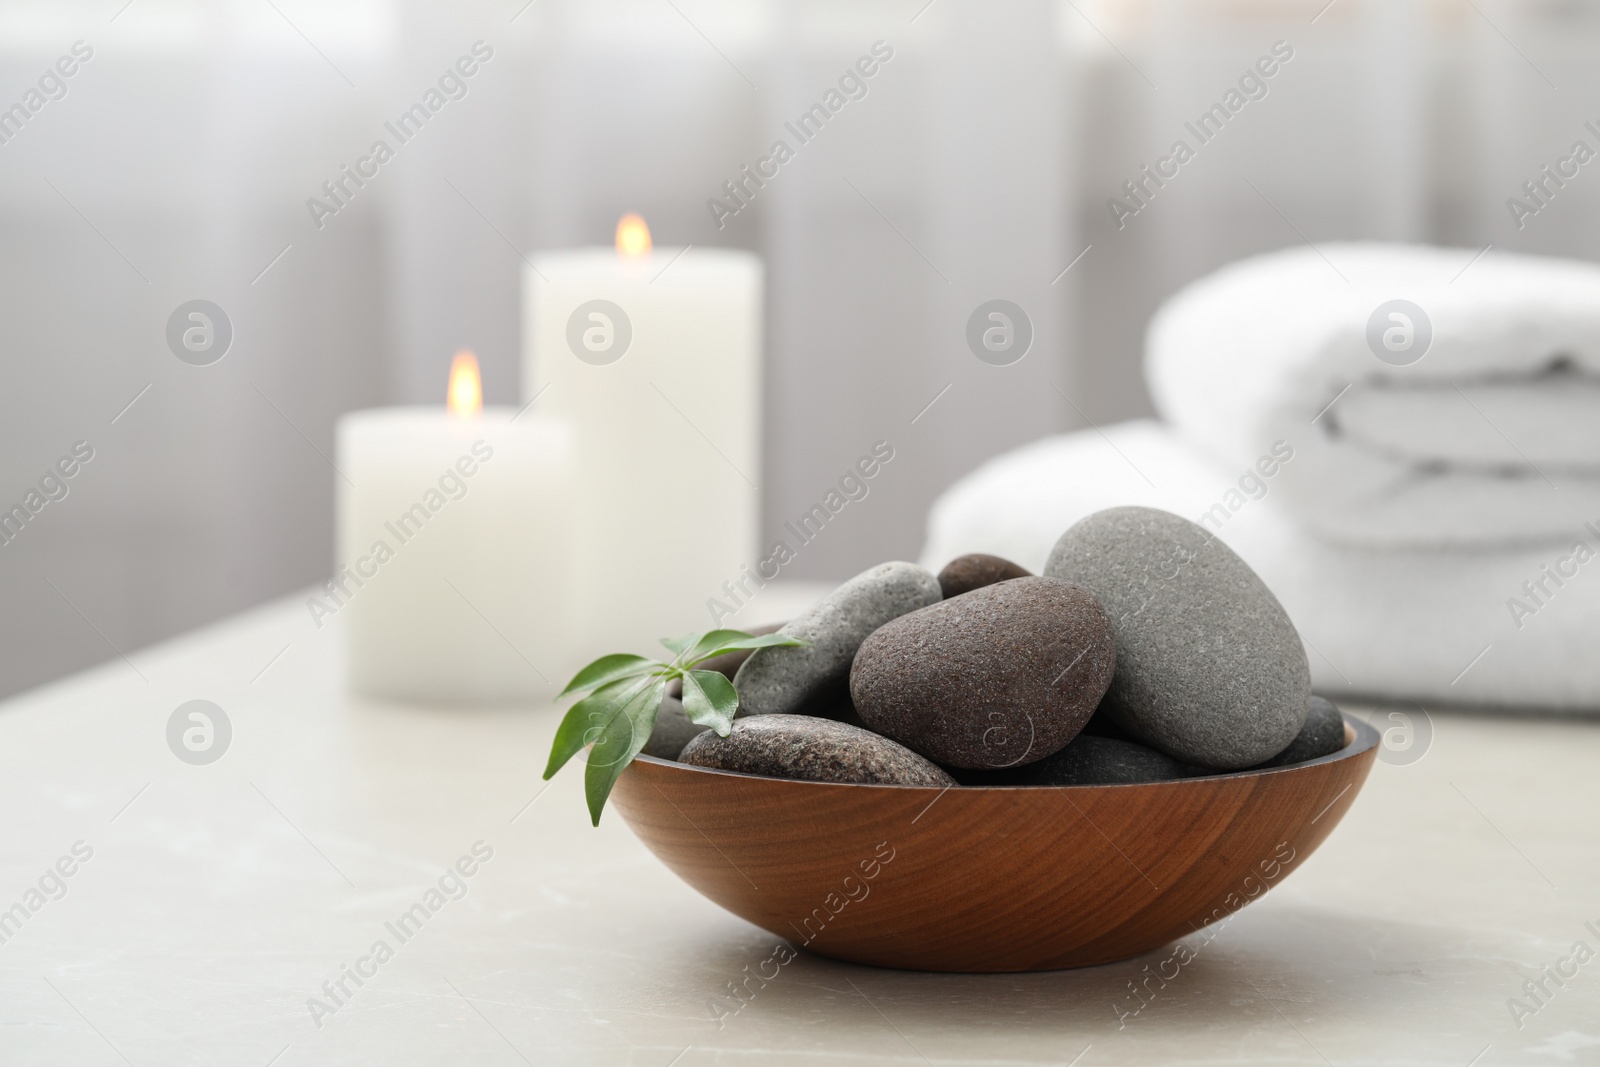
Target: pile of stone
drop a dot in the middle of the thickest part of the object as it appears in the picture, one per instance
(1147, 651)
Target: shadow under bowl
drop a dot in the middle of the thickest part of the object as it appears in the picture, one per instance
(988, 878)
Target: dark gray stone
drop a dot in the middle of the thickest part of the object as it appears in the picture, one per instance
(780, 681)
(976, 570)
(997, 677)
(1088, 760)
(1322, 735)
(811, 750)
(1100, 725)
(1209, 668)
(833, 702)
(672, 731)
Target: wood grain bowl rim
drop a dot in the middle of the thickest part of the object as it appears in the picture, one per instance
(1360, 736)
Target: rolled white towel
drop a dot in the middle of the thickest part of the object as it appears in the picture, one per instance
(1491, 438)
(1498, 627)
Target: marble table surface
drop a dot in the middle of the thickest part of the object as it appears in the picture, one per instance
(206, 905)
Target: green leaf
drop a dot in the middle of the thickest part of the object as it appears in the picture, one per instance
(584, 721)
(702, 645)
(709, 700)
(617, 717)
(608, 669)
(619, 742)
(678, 644)
(718, 642)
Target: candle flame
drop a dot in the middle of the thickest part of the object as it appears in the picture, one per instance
(465, 395)
(633, 237)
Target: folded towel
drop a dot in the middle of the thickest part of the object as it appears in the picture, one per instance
(1491, 438)
(1459, 626)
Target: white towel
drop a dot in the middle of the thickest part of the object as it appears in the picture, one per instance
(1491, 438)
(1436, 625)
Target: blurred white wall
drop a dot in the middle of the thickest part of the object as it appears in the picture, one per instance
(979, 165)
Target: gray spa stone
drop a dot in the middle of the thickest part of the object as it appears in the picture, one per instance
(976, 570)
(1088, 760)
(811, 750)
(672, 731)
(1322, 735)
(1209, 668)
(780, 681)
(997, 677)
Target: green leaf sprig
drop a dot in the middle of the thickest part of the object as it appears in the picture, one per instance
(625, 693)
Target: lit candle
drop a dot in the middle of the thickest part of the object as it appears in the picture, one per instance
(653, 356)
(452, 580)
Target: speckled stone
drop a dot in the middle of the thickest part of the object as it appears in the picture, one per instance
(976, 570)
(780, 681)
(811, 750)
(673, 730)
(1088, 760)
(1209, 668)
(997, 677)
(1322, 735)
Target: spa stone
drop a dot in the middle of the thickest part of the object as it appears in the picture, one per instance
(1209, 668)
(833, 702)
(1322, 735)
(976, 570)
(1100, 725)
(1001, 676)
(780, 681)
(672, 731)
(1088, 760)
(811, 750)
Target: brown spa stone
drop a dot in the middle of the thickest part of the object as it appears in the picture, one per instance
(998, 677)
(785, 680)
(976, 570)
(811, 750)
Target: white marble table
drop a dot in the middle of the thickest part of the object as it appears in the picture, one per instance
(219, 898)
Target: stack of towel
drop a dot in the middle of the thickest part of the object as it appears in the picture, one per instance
(1433, 528)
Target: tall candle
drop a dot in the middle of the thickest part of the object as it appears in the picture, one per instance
(453, 578)
(654, 358)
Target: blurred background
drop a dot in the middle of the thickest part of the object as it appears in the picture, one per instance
(179, 161)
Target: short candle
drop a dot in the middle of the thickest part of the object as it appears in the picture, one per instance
(452, 576)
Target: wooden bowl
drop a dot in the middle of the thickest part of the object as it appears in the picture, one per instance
(988, 878)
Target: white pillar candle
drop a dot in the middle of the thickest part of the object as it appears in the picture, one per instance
(453, 571)
(654, 359)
